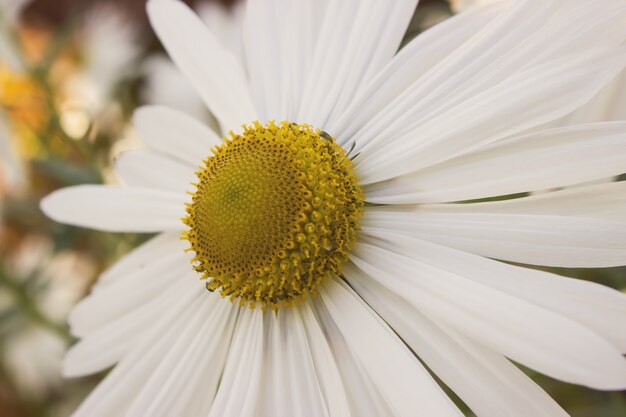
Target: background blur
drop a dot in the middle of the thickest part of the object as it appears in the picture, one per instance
(71, 73)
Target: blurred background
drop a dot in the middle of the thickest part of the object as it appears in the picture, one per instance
(71, 73)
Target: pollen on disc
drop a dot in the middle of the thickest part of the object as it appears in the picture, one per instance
(274, 214)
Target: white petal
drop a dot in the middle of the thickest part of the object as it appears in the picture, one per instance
(291, 388)
(520, 102)
(212, 369)
(157, 247)
(609, 104)
(600, 201)
(116, 209)
(279, 46)
(306, 395)
(406, 386)
(460, 74)
(122, 296)
(154, 170)
(263, 23)
(487, 382)
(355, 41)
(527, 333)
(195, 359)
(600, 308)
(164, 85)
(325, 364)
(240, 385)
(174, 133)
(273, 400)
(536, 239)
(113, 396)
(214, 72)
(364, 398)
(523, 36)
(411, 62)
(226, 22)
(536, 161)
(106, 345)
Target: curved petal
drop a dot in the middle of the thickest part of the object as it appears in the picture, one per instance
(240, 386)
(525, 332)
(325, 363)
(280, 39)
(137, 259)
(405, 385)
(174, 133)
(291, 387)
(599, 201)
(109, 343)
(355, 42)
(536, 161)
(524, 35)
(486, 381)
(600, 308)
(214, 72)
(138, 288)
(116, 209)
(537, 239)
(364, 398)
(113, 396)
(412, 61)
(198, 350)
(154, 170)
(522, 101)
(226, 22)
(165, 85)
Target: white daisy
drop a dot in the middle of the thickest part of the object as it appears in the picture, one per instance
(450, 117)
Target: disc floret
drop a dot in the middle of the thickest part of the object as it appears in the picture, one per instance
(274, 214)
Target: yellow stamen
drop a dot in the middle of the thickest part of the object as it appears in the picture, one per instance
(274, 214)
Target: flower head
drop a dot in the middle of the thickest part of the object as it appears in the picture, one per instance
(392, 150)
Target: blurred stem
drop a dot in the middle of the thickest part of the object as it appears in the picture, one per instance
(29, 306)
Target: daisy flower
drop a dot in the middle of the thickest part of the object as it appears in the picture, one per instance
(328, 256)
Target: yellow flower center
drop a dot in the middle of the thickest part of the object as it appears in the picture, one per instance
(274, 214)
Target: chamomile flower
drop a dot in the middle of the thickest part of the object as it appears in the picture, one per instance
(307, 260)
